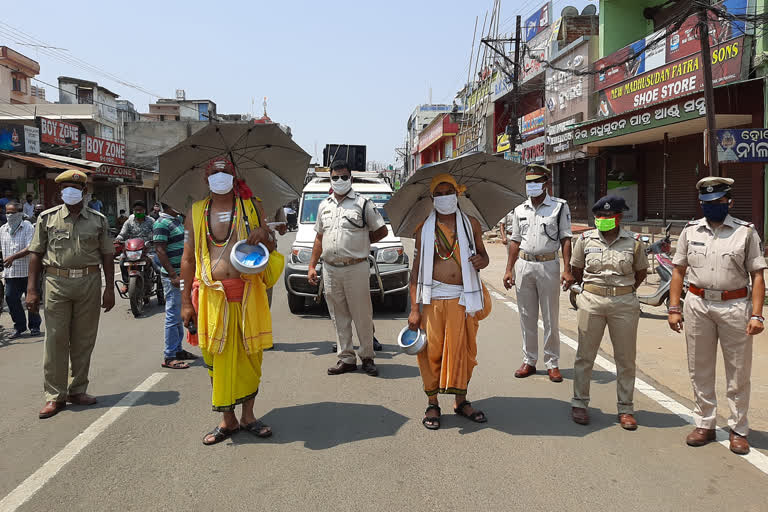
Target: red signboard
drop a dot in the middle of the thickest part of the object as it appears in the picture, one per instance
(116, 171)
(674, 80)
(103, 150)
(660, 48)
(532, 123)
(59, 133)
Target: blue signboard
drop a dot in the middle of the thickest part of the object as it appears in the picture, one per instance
(538, 21)
(742, 145)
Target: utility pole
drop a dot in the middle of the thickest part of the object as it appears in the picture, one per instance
(515, 86)
(709, 92)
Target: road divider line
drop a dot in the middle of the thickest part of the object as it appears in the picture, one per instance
(39, 478)
(754, 457)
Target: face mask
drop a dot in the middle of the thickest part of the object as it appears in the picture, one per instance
(72, 195)
(446, 205)
(221, 183)
(14, 219)
(140, 216)
(341, 187)
(715, 212)
(605, 224)
(534, 189)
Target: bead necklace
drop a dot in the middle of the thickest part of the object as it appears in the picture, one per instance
(232, 224)
(453, 250)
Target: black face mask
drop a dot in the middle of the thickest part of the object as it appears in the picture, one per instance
(715, 212)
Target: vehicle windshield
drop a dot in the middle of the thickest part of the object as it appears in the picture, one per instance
(312, 201)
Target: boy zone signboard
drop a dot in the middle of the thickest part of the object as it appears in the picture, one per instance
(103, 150)
(674, 80)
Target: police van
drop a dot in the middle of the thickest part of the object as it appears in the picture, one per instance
(390, 272)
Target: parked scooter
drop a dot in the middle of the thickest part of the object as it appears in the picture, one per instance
(660, 250)
(143, 281)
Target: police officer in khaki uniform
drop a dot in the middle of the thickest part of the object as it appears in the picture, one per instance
(70, 242)
(540, 227)
(722, 253)
(347, 224)
(611, 264)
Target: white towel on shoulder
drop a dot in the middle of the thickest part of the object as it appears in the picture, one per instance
(472, 296)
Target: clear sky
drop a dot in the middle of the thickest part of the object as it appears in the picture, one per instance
(336, 71)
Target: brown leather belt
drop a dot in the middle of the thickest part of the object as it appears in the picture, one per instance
(538, 257)
(346, 262)
(608, 291)
(718, 295)
(72, 273)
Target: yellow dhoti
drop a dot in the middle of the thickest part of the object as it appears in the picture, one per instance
(446, 364)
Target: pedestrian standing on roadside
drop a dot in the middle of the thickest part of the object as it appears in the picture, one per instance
(39, 208)
(155, 213)
(70, 242)
(722, 253)
(15, 237)
(347, 224)
(95, 204)
(541, 226)
(29, 207)
(611, 264)
(168, 236)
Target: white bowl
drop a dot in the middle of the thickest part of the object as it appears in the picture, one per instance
(242, 252)
(412, 342)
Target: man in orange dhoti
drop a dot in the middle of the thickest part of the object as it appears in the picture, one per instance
(232, 318)
(448, 254)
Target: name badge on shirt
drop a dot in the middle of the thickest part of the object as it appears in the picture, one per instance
(591, 250)
(697, 243)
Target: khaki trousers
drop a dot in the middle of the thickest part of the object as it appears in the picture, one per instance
(347, 292)
(538, 286)
(72, 309)
(705, 323)
(621, 315)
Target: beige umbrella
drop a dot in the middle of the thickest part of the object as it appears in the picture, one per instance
(267, 158)
(494, 187)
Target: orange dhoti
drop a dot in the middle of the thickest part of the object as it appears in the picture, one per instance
(447, 362)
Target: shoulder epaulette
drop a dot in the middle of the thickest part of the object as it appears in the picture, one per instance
(91, 210)
(743, 223)
(559, 200)
(51, 210)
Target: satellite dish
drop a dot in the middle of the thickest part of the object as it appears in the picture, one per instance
(569, 11)
(589, 10)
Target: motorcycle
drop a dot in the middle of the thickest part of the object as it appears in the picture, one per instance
(660, 250)
(143, 281)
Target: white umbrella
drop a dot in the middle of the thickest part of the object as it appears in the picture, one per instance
(494, 187)
(269, 161)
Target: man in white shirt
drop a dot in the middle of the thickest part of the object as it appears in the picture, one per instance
(29, 207)
(15, 237)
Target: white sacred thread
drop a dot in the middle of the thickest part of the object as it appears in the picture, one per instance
(224, 216)
(181, 285)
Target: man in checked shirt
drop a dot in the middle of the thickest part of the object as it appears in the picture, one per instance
(15, 237)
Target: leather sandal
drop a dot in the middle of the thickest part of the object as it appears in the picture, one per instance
(219, 434)
(430, 422)
(477, 416)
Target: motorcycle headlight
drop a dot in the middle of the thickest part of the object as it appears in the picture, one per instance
(301, 255)
(133, 255)
(389, 255)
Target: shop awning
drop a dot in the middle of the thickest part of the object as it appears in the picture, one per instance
(74, 161)
(46, 162)
(681, 129)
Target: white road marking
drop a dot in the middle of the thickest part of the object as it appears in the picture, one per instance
(754, 457)
(39, 478)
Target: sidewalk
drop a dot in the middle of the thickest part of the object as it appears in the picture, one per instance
(661, 353)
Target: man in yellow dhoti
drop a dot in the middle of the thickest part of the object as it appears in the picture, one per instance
(448, 254)
(233, 321)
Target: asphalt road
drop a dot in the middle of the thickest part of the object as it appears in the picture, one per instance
(348, 442)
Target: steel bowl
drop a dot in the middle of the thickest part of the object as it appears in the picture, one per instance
(249, 259)
(411, 342)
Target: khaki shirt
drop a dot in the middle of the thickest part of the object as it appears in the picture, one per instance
(345, 235)
(611, 264)
(719, 259)
(536, 229)
(66, 241)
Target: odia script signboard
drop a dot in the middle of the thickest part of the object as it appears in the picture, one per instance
(746, 145)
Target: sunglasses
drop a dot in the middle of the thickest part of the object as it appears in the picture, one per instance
(344, 177)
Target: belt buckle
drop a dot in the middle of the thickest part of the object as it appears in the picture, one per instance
(76, 273)
(713, 295)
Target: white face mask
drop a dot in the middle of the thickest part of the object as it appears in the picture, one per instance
(72, 195)
(341, 187)
(534, 189)
(446, 205)
(221, 182)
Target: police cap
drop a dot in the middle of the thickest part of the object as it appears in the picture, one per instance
(72, 176)
(612, 204)
(536, 171)
(713, 187)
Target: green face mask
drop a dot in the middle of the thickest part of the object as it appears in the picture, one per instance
(139, 216)
(605, 224)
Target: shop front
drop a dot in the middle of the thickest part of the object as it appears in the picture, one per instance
(437, 140)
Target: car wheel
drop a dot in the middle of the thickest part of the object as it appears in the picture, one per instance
(295, 304)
